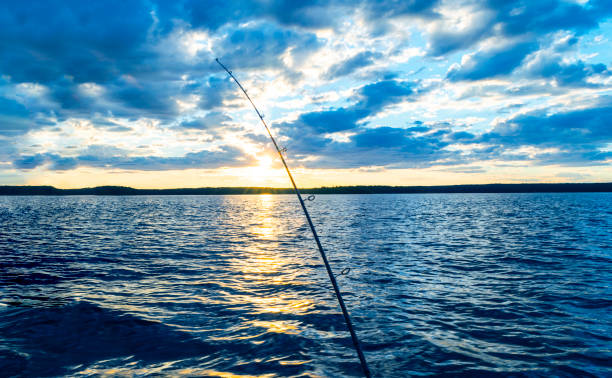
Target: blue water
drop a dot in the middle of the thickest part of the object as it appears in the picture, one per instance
(440, 284)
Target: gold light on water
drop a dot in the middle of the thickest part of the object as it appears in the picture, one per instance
(265, 226)
(266, 268)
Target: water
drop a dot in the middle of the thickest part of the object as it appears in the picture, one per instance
(457, 284)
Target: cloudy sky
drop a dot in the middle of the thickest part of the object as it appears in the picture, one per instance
(390, 92)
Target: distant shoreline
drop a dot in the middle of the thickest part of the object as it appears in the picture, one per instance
(485, 188)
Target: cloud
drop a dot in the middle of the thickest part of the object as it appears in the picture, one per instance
(148, 66)
(491, 62)
(138, 99)
(13, 118)
(117, 47)
(569, 138)
(333, 120)
(461, 28)
(376, 96)
(212, 120)
(263, 45)
(565, 73)
(90, 42)
(372, 98)
(461, 136)
(213, 14)
(108, 157)
(213, 91)
(395, 8)
(519, 17)
(352, 64)
(30, 161)
(386, 146)
(307, 14)
(568, 128)
(511, 19)
(580, 136)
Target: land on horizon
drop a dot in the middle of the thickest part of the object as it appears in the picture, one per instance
(360, 189)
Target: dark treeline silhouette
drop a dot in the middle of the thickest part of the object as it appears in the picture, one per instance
(486, 188)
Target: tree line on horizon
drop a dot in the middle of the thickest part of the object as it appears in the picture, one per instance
(359, 189)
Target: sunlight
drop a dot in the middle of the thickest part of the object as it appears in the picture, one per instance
(267, 172)
(280, 326)
(262, 171)
(265, 226)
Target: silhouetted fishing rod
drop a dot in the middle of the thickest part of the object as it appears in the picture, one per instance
(332, 278)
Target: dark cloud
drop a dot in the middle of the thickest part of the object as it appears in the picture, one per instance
(43, 41)
(443, 41)
(333, 120)
(213, 14)
(352, 64)
(115, 45)
(304, 13)
(419, 128)
(65, 44)
(416, 146)
(566, 74)
(572, 138)
(262, 46)
(540, 128)
(395, 8)
(493, 62)
(580, 136)
(13, 118)
(579, 156)
(307, 135)
(385, 137)
(213, 91)
(118, 46)
(138, 99)
(101, 158)
(29, 161)
(386, 146)
(372, 98)
(212, 120)
(523, 16)
(514, 18)
(65, 93)
(460, 136)
(376, 96)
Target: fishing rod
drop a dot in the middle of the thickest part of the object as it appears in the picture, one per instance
(332, 277)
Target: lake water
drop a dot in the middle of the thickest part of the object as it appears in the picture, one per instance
(440, 284)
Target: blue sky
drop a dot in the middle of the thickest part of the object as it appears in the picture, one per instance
(372, 92)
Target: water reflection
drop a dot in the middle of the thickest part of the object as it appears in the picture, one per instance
(454, 285)
(269, 274)
(167, 369)
(263, 225)
(289, 327)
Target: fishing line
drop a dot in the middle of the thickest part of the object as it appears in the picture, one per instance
(332, 277)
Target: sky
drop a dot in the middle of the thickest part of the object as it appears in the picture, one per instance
(414, 92)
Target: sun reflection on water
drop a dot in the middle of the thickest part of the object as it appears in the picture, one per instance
(287, 327)
(269, 275)
(264, 226)
(166, 370)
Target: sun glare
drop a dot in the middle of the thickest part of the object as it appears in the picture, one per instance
(263, 172)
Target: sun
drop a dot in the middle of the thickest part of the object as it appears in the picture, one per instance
(265, 173)
(262, 169)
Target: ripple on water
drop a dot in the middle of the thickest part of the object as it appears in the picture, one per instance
(462, 284)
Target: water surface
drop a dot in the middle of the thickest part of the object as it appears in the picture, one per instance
(440, 284)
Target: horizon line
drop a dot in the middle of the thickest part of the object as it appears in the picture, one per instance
(347, 189)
